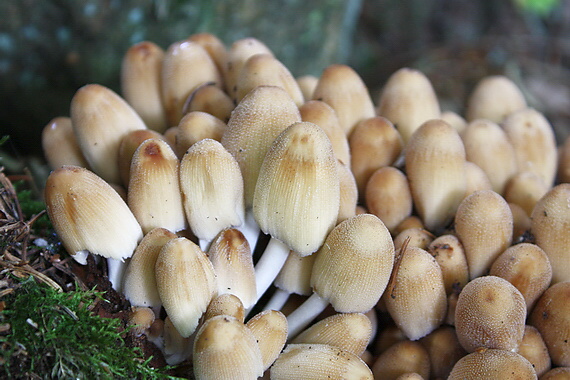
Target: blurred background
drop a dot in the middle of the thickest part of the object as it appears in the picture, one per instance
(50, 48)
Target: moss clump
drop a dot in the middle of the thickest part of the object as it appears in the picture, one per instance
(50, 334)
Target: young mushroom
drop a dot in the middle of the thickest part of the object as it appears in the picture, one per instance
(90, 217)
(297, 197)
(350, 272)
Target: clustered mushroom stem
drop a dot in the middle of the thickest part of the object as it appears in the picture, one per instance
(250, 229)
(277, 300)
(269, 265)
(204, 244)
(305, 314)
(116, 271)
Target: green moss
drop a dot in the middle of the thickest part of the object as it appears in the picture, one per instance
(55, 335)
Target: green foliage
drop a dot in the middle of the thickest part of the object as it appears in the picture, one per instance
(539, 7)
(31, 206)
(56, 336)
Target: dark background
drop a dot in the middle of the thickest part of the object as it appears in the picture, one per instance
(49, 48)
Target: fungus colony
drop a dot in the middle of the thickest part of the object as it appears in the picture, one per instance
(438, 245)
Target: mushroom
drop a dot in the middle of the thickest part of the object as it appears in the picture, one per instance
(435, 166)
(490, 364)
(533, 349)
(266, 70)
(527, 267)
(415, 297)
(374, 143)
(196, 126)
(403, 357)
(348, 331)
(342, 88)
(59, 144)
(140, 83)
(186, 283)
(100, 119)
(297, 197)
(255, 123)
(225, 348)
(231, 258)
(318, 361)
(408, 100)
(238, 54)
(89, 216)
(154, 194)
(139, 285)
(487, 146)
(494, 98)
(210, 98)
(186, 65)
(533, 142)
(550, 225)
(269, 328)
(351, 270)
(490, 313)
(388, 196)
(212, 186)
(484, 224)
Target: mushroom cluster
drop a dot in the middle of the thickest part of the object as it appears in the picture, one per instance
(266, 225)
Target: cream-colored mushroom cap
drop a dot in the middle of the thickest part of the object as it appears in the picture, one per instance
(494, 98)
(140, 83)
(225, 349)
(408, 100)
(140, 281)
(60, 145)
(266, 70)
(353, 267)
(415, 297)
(186, 65)
(186, 283)
(484, 224)
(270, 331)
(88, 215)
(255, 123)
(212, 184)
(348, 331)
(318, 361)
(342, 88)
(154, 193)
(490, 313)
(551, 316)
(297, 195)
(492, 364)
(100, 119)
(550, 225)
(435, 159)
(231, 258)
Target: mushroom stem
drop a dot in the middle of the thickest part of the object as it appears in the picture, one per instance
(250, 229)
(269, 265)
(277, 300)
(204, 244)
(116, 272)
(304, 314)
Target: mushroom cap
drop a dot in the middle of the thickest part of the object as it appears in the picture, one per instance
(318, 361)
(297, 195)
(353, 266)
(89, 215)
(490, 313)
(224, 348)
